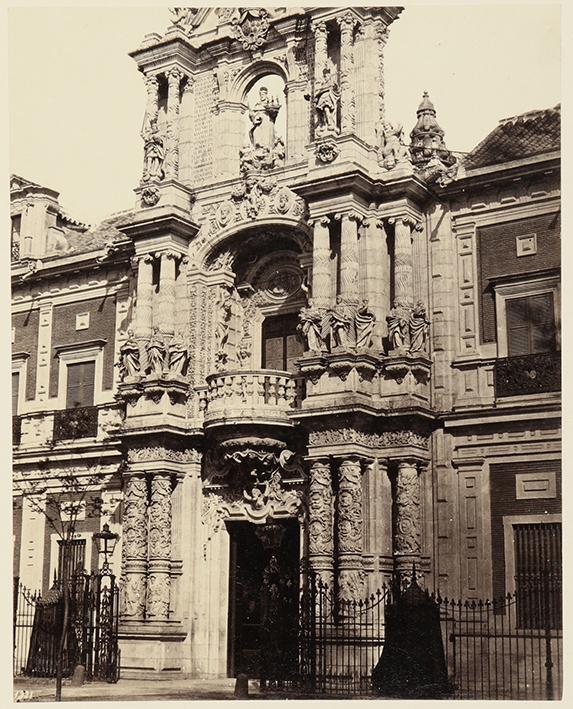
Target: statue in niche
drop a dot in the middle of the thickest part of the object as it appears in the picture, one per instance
(364, 323)
(154, 155)
(419, 328)
(311, 328)
(129, 365)
(326, 97)
(156, 353)
(224, 312)
(178, 356)
(263, 116)
(392, 149)
(341, 324)
(399, 326)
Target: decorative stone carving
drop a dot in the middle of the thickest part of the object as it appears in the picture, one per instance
(156, 353)
(326, 151)
(326, 98)
(385, 439)
(251, 27)
(178, 356)
(349, 530)
(341, 323)
(154, 155)
(263, 116)
(160, 515)
(399, 327)
(163, 453)
(320, 521)
(432, 159)
(419, 328)
(223, 313)
(312, 327)
(183, 17)
(364, 320)
(129, 365)
(134, 549)
(347, 24)
(150, 195)
(392, 151)
(407, 533)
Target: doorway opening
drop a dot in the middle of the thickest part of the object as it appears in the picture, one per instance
(263, 597)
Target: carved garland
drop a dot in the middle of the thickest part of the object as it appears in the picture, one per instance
(161, 453)
(385, 439)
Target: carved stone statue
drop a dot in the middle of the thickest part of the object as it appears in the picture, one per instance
(154, 155)
(392, 149)
(129, 365)
(224, 311)
(341, 324)
(326, 97)
(311, 328)
(263, 116)
(364, 322)
(399, 327)
(156, 353)
(419, 328)
(183, 16)
(278, 153)
(178, 355)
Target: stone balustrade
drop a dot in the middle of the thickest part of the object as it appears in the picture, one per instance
(243, 395)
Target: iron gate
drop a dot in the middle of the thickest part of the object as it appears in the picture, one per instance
(92, 638)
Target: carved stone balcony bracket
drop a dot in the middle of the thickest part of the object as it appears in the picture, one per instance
(399, 366)
(312, 366)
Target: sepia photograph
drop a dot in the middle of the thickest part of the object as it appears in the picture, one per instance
(285, 352)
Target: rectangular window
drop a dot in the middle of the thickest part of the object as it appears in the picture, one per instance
(71, 557)
(80, 390)
(530, 324)
(538, 575)
(15, 392)
(281, 344)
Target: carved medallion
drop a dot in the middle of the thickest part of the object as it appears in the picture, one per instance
(251, 27)
(327, 151)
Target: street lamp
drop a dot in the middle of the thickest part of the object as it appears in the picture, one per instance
(106, 541)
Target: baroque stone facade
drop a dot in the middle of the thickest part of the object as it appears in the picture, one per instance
(295, 356)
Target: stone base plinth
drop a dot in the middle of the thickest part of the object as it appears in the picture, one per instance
(153, 649)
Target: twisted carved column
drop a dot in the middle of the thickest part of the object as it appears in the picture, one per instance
(347, 103)
(381, 39)
(407, 532)
(159, 547)
(349, 256)
(167, 291)
(134, 548)
(320, 532)
(174, 77)
(321, 276)
(349, 530)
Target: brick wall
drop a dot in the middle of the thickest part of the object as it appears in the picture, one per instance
(102, 326)
(497, 256)
(26, 340)
(504, 502)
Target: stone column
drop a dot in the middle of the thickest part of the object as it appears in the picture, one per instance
(349, 530)
(181, 297)
(144, 301)
(134, 547)
(321, 275)
(167, 292)
(381, 31)
(403, 288)
(159, 547)
(347, 108)
(407, 524)
(376, 282)
(320, 521)
(174, 77)
(320, 49)
(349, 288)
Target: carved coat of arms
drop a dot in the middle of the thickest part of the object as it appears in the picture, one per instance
(251, 26)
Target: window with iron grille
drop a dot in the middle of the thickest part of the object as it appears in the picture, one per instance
(537, 549)
(71, 557)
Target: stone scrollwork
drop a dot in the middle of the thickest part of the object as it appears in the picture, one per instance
(385, 439)
(320, 521)
(183, 16)
(163, 453)
(150, 195)
(349, 530)
(134, 548)
(407, 499)
(326, 151)
(160, 515)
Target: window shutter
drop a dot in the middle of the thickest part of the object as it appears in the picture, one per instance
(80, 385)
(517, 327)
(15, 392)
(273, 353)
(294, 350)
(542, 319)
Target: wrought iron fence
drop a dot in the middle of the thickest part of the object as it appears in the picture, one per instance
(75, 423)
(508, 648)
(92, 638)
(527, 374)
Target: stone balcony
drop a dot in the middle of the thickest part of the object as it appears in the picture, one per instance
(252, 396)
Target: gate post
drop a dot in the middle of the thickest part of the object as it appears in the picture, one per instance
(546, 590)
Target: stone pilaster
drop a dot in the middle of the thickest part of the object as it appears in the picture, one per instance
(174, 77)
(320, 521)
(347, 106)
(167, 291)
(381, 31)
(152, 88)
(375, 283)
(144, 297)
(159, 548)
(407, 547)
(321, 275)
(349, 530)
(182, 297)
(349, 288)
(320, 49)
(134, 549)
(403, 286)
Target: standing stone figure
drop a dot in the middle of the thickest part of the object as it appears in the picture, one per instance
(419, 327)
(156, 353)
(310, 328)
(392, 150)
(263, 116)
(326, 97)
(364, 322)
(129, 365)
(341, 323)
(154, 155)
(178, 356)
(399, 327)
(224, 312)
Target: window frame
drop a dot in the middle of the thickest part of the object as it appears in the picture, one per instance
(20, 367)
(79, 353)
(272, 316)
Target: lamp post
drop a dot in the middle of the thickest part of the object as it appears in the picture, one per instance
(106, 541)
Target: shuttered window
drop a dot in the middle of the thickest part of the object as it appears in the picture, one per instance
(80, 390)
(530, 324)
(538, 574)
(15, 392)
(281, 345)
(71, 557)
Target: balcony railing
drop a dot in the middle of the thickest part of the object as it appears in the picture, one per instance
(16, 430)
(261, 394)
(528, 374)
(75, 423)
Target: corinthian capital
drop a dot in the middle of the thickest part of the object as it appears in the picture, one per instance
(174, 76)
(151, 82)
(346, 22)
(320, 221)
(318, 27)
